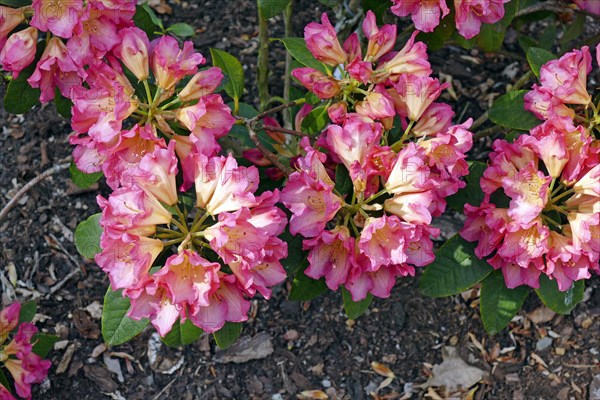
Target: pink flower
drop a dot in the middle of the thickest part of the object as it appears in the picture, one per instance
(58, 18)
(545, 105)
(384, 240)
(223, 186)
(471, 13)
(94, 36)
(515, 275)
(309, 195)
(133, 51)
(127, 259)
(550, 145)
(436, 118)
(170, 64)
(19, 51)
(202, 84)
(410, 172)
(132, 210)
(56, 69)
(376, 106)
(381, 41)
(325, 87)
(157, 173)
(27, 371)
(523, 245)
(227, 304)
(321, 40)
(9, 318)
(585, 228)
(331, 254)
(10, 18)
(188, 279)
(485, 225)
(528, 190)
(153, 301)
(413, 94)
(567, 76)
(5, 394)
(564, 262)
(210, 117)
(412, 59)
(425, 14)
(592, 6)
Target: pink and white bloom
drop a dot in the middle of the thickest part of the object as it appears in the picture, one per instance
(567, 76)
(170, 63)
(19, 51)
(133, 52)
(60, 18)
(470, 14)
(426, 14)
(10, 18)
(202, 84)
(321, 40)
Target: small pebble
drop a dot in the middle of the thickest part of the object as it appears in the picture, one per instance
(586, 323)
(543, 343)
(291, 335)
(326, 383)
(559, 351)
(277, 396)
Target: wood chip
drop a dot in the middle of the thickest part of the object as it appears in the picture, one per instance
(64, 362)
(247, 348)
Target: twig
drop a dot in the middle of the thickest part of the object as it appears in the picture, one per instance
(270, 156)
(165, 388)
(29, 185)
(278, 108)
(75, 263)
(283, 130)
(288, 14)
(262, 76)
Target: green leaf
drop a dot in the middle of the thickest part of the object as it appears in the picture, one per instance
(4, 381)
(296, 257)
(315, 121)
(117, 327)
(312, 98)
(455, 269)
(81, 179)
(575, 29)
(343, 182)
(182, 334)
(298, 50)
(557, 301)
(538, 57)
(20, 96)
(471, 193)
(270, 8)
(228, 334)
(498, 304)
(62, 104)
(379, 7)
(147, 20)
(305, 288)
(355, 309)
(233, 71)
(491, 36)
(87, 236)
(509, 111)
(15, 3)
(27, 312)
(182, 29)
(43, 343)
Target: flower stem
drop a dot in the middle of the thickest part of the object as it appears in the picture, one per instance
(376, 195)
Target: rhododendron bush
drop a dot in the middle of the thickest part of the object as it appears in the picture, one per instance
(335, 185)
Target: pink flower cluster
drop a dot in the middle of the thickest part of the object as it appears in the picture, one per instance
(25, 367)
(78, 33)
(230, 226)
(469, 14)
(552, 179)
(364, 239)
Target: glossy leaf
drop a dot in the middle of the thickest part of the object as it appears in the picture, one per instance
(305, 288)
(509, 111)
(87, 236)
(557, 301)
(498, 304)
(355, 309)
(81, 179)
(117, 327)
(298, 50)
(538, 57)
(233, 71)
(315, 121)
(182, 29)
(182, 334)
(43, 343)
(20, 97)
(456, 268)
(27, 312)
(270, 8)
(228, 334)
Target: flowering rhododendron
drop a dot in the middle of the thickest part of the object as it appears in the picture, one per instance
(468, 14)
(551, 177)
(16, 353)
(363, 240)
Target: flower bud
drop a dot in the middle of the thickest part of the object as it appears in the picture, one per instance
(202, 84)
(133, 51)
(19, 51)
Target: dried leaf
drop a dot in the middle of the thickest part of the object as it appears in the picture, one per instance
(382, 370)
(313, 394)
(541, 315)
(453, 372)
